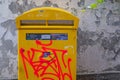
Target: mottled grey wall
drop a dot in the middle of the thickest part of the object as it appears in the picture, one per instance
(98, 34)
(99, 38)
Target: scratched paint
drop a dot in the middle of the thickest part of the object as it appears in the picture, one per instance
(42, 64)
(71, 47)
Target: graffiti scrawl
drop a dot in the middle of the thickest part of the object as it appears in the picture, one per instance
(49, 58)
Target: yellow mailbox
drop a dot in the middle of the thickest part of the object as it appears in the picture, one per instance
(47, 44)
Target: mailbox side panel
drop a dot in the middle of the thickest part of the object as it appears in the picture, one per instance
(47, 54)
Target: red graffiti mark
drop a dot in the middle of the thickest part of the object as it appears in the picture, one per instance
(39, 43)
(22, 51)
(47, 59)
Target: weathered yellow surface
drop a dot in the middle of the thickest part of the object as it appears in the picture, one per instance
(47, 52)
(47, 13)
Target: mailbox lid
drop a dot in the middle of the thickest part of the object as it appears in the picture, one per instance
(47, 18)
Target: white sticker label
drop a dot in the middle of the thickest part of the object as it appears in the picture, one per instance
(45, 36)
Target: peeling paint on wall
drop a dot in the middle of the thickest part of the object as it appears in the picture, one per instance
(16, 7)
(8, 50)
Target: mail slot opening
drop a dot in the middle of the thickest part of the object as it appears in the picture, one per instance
(32, 22)
(60, 23)
(47, 22)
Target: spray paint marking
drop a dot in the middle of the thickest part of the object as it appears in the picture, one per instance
(42, 65)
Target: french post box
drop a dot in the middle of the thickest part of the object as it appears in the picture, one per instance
(47, 39)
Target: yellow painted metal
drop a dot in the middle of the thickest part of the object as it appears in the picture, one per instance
(47, 13)
(61, 62)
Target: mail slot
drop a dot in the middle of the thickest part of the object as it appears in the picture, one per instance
(47, 44)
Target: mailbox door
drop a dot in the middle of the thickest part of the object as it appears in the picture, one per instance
(47, 54)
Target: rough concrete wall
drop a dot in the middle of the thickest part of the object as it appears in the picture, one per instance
(99, 38)
(98, 34)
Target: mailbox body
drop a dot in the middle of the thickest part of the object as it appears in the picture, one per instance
(47, 46)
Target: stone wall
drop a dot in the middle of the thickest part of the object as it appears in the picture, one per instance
(98, 34)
